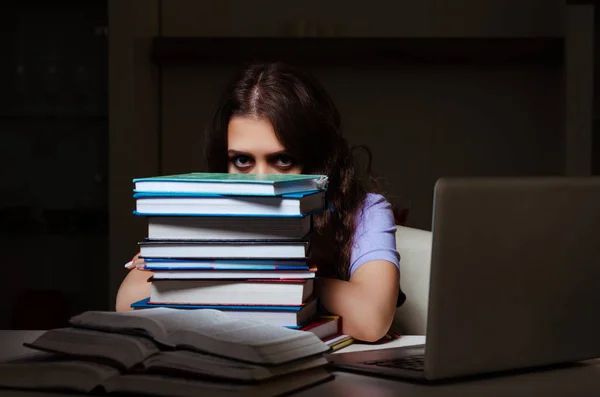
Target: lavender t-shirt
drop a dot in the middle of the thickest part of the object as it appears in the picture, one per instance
(375, 234)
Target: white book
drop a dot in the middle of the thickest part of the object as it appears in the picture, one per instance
(228, 228)
(233, 275)
(149, 204)
(279, 315)
(223, 249)
(226, 265)
(231, 292)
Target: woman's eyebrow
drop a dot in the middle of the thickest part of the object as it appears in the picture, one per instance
(279, 153)
(232, 151)
(270, 155)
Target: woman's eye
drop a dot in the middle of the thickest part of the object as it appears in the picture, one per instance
(242, 161)
(284, 161)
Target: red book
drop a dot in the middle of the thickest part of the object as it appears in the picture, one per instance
(324, 326)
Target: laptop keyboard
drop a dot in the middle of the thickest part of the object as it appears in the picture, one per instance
(413, 363)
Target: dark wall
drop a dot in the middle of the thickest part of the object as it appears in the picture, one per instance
(54, 160)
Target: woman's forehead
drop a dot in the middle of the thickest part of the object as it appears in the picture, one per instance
(252, 135)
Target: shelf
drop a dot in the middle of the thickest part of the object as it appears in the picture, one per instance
(353, 51)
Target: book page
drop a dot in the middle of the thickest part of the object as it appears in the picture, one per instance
(206, 365)
(194, 320)
(162, 322)
(219, 326)
(138, 322)
(127, 350)
(258, 334)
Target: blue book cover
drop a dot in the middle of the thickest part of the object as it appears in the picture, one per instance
(191, 214)
(145, 304)
(242, 265)
(144, 194)
(218, 177)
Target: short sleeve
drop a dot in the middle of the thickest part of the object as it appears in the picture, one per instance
(375, 234)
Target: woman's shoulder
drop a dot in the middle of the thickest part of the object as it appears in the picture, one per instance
(375, 233)
(376, 211)
(376, 201)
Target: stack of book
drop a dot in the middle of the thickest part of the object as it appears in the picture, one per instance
(237, 243)
(169, 352)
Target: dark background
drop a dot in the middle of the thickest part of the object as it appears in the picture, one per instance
(95, 93)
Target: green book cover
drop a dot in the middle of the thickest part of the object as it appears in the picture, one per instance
(200, 177)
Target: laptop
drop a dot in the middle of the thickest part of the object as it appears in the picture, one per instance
(514, 281)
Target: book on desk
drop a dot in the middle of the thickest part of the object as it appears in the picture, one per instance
(153, 351)
(232, 307)
(216, 242)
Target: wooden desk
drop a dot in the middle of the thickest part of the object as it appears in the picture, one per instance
(578, 380)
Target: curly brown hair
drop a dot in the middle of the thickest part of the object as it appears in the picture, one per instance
(307, 123)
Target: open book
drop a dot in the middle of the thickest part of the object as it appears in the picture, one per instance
(140, 354)
(54, 373)
(208, 331)
(119, 350)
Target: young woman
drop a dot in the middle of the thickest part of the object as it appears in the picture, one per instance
(276, 119)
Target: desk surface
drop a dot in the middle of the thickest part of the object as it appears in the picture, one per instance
(578, 380)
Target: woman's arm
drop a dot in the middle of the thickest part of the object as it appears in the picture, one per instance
(366, 303)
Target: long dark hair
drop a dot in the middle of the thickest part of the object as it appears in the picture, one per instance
(307, 124)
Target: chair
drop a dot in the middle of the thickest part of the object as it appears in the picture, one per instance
(414, 246)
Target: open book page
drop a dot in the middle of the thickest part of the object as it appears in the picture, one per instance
(183, 361)
(258, 334)
(215, 332)
(138, 322)
(122, 350)
(252, 342)
(246, 340)
(196, 320)
(219, 326)
(210, 331)
(196, 363)
(294, 350)
(46, 372)
(158, 322)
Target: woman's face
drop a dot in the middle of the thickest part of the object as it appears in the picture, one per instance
(253, 148)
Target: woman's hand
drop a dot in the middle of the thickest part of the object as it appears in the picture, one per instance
(135, 263)
(135, 286)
